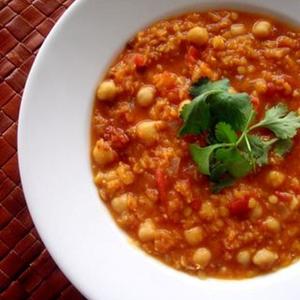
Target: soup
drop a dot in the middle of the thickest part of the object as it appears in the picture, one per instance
(159, 189)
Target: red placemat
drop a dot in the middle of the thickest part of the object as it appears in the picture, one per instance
(26, 269)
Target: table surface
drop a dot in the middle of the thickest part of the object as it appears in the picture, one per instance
(26, 269)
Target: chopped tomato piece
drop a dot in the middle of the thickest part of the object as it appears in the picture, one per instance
(239, 207)
(192, 55)
(284, 196)
(139, 60)
(161, 182)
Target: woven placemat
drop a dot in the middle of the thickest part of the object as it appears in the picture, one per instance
(26, 269)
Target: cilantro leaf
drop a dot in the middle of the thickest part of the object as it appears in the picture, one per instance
(202, 157)
(282, 123)
(217, 170)
(213, 104)
(218, 186)
(224, 133)
(233, 109)
(232, 151)
(282, 147)
(220, 177)
(260, 148)
(236, 164)
(196, 117)
(204, 85)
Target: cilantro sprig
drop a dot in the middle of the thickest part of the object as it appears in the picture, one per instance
(234, 148)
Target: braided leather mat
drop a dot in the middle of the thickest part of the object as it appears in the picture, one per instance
(26, 269)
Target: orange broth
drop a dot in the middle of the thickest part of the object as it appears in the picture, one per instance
(152, 187)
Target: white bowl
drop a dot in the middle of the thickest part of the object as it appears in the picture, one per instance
(54, 136)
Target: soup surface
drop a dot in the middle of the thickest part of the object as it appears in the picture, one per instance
(144, 170)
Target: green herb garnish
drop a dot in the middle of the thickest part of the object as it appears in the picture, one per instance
(233, 148)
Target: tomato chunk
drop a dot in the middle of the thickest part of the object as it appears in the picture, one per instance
(239, 207)
(139, 60)
(192, 55)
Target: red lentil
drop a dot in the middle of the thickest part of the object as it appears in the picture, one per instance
(144, 172)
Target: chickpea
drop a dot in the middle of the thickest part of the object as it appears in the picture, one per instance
(294, 203)
(237, 29)
(223, 211)
(264, 258)
(145, 96)
(147, 131)
(256, 212)
(273, 199)
(103, 153)
(243, 257)
(262, 29)
(98, 178)
(107, 90)
(252, 203)
(251, 69)
(147, 231)
(234, 16)
(208, 211)
(272, 224)
(296, 94)
(120, 203)
(261, 86)
(202, 257)
(295, 183)
(198, 35)
(182, 104)
(275, 179)
(218, 42)
(241, 70)
(194, 235)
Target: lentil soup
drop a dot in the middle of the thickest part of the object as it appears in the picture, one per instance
(144, 170)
